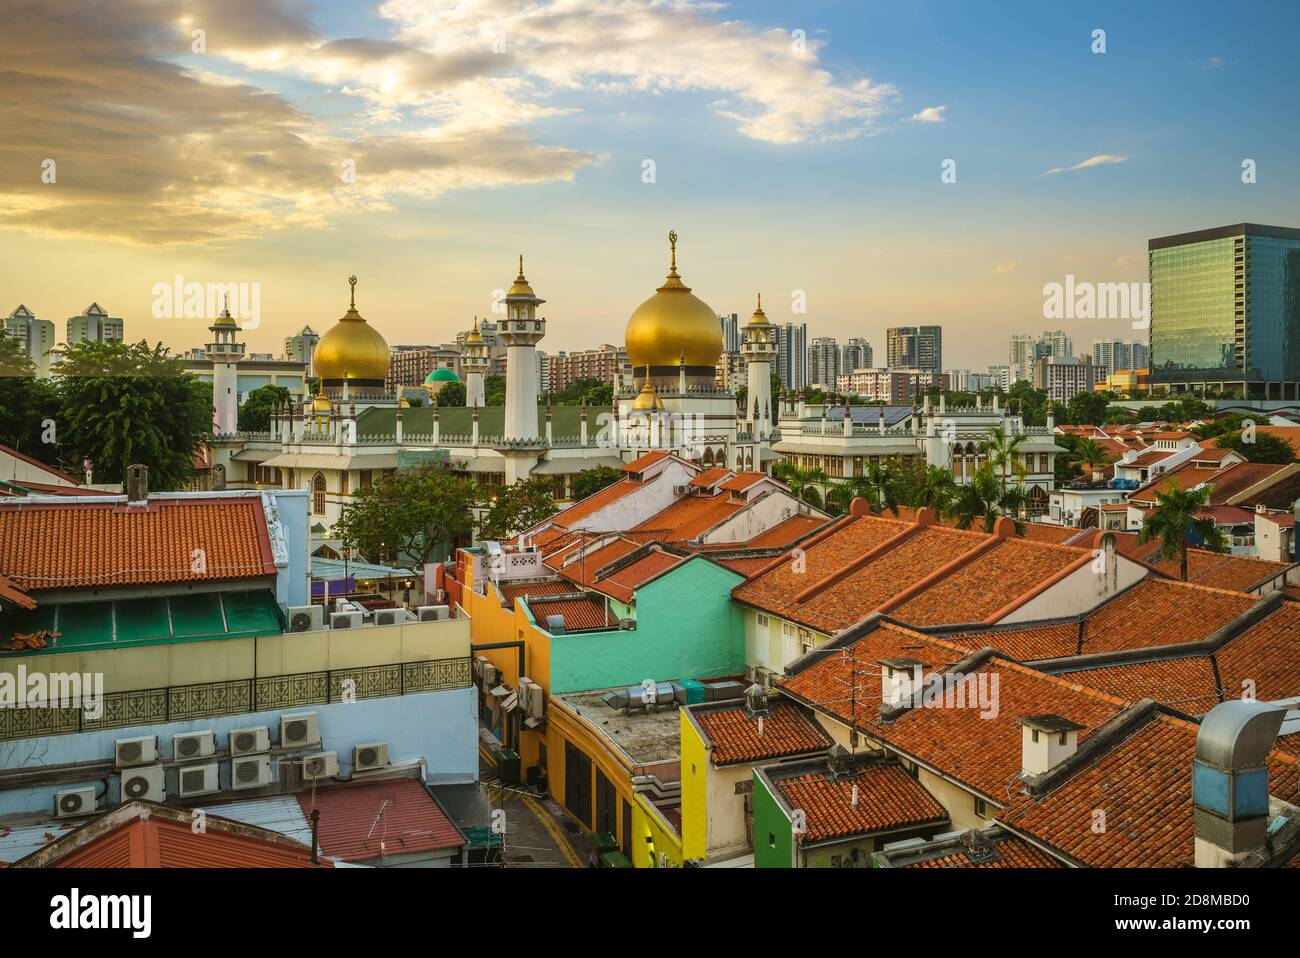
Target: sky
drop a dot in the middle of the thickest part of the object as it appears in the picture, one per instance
(796, 148)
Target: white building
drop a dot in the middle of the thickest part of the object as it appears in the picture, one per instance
(37, 336)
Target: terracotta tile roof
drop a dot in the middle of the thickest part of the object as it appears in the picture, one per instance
(379, 820)
(582, 568)
(744, 480)
(589, 612)
(1186, 683)
(787, 532)
(690, 516)
(1058, 535)
(735, 738)
(888, 799)
(573, 516)
(1009, 852)
(623, 584)
(1149, 458)
(645, 462)
(532, 589)
(709, 477)
(746, 566)
(1144, 786)
(1284, 519)
(9, 592)
(1219, 570)
(1267, 656)
(981, 750)
(1226, 482)
(46, 545)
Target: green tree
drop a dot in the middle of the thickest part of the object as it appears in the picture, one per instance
(452, 394)
(1262, 447)
(1175, 515)
(494, 390)
(255, 413)
(1086, 409)
(982, 499)
(1089, 452)
(27, 405)
(591, 481)
(517, 507)
(1000, 449)
(122, 403)
(412, 512)
(803, 482)
(930, 487)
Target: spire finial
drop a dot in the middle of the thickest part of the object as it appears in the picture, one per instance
(352, 281)
(672, 246)
(760, 302)
(521, 265)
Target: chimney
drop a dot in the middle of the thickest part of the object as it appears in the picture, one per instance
(137, 483)
(1045, 742)
(1230, 780)
(837, 762)
(756, 700)
(900, 679)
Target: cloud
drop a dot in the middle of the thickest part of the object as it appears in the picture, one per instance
(1214, 63)
(1006, 266)
(1100, 160)
(931, 114)
(156, 146)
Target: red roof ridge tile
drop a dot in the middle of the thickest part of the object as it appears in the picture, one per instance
(924, 518)
(941, 573)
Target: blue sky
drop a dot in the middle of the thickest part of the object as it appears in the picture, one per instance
(814, 176)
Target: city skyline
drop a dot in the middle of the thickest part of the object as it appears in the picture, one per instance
(221, 188)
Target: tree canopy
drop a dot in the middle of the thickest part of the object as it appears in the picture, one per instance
(517, 507)
(409, 514)
(255, 413)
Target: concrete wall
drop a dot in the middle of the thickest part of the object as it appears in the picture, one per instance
(440, 727)
(631, 509)
(763, 513)
(1081, 591)
(687, 627)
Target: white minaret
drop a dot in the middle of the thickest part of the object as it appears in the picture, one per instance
(225, 353)
(521, 331)
(759, 349)
(475, 364)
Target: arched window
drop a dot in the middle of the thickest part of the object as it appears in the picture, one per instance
(318, 495)
(708, 457)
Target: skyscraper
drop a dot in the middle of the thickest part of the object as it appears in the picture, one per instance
(95, 324)
(823, 362)
(792, 355)
(730, 333)
(855, 354)
(37, 336)
(1117, 354)
(1021, 356)
(301, 347)
(914, 347)
(1225, 310)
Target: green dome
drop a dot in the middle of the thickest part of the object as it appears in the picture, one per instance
(442, 376)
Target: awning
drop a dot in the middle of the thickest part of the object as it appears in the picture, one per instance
(255, 455)
(573, 465)
(488, 464)
(323, 568)
(316, 460)
(859, 447)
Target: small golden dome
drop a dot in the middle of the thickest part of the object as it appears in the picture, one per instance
(673, 326)
(352, 349)
(647, 399)
(321, 404)
(759, 318)
(475, 337)
(521, 287)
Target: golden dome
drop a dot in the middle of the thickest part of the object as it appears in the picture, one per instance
(759, 318)
(321, 404)
(352, 349)
(647, 398)
(673, 326)
(521, 287)
(475, 337)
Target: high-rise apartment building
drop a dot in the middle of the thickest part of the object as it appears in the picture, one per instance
(1062, 378)
(855, 354)
(1020, 357)
(302, 347)
(894, 387)
(823, 362)
(409, 365)
(607, 363)
(731, 371)
(914, 347)
(730, 333)
(36, 335)
(1117, 354)
(792, 355)
(96, 325)
(1225, 310)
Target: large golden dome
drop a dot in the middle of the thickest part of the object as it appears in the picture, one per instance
(352, 349)
(673, 324)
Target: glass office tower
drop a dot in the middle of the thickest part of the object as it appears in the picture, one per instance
(1225, 311)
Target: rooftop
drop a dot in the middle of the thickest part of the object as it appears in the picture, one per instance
(646, 738)
(737, 736)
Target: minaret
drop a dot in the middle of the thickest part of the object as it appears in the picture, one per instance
(225, 353)
(475, 364)
(759, 349)
(521, 331)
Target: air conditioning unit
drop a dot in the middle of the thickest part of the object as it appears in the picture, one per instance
(136, 751)
(390, 616)
(250, 771)
(72, 802)
(489, 676)
(250, 741)
(367, 758)
(534, 699)
(306, 618)
(346, 620)
(199, 779)
(751, 673)
(682, 490)
(194, 745)
(299, 730)
(476, 668)
(320, 765)
(627, 625)
(148, 783)
(433, 613)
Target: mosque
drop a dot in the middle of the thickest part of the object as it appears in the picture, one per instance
(354, 430)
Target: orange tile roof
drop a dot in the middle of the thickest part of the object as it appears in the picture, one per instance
(983, 751)
(1219, 570)
(746, 566)
(709, 477)
(786, 532)
(1144, 786)
(572, 517)
(690, 516)
(645, 462)
(734, 732)
(623, 584)
(1185, 683)
(589, 612)
(888, 799)
(1267, 656)
(14, 595)
(1226, 482)
(62, 545)
(1043, 532)
(1009, 852)
(378, 820)
(582, 568)
(744, 480)
(532, 589)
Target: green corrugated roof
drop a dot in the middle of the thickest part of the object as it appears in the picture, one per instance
(457, 421)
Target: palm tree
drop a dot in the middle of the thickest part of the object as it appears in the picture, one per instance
(802, 482)
(999, 449)
(931, 486)
(1089, 452)
(981, 498)
(880, 488)
(1176, 514)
